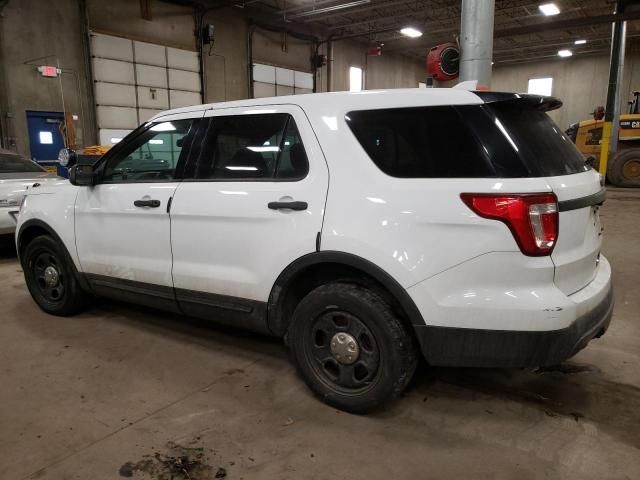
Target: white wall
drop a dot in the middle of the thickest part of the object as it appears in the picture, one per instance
(580, 82)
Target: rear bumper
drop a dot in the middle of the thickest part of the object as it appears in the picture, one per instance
(467, 347)
(521, 333)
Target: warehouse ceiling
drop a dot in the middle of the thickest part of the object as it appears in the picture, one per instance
(522, 33)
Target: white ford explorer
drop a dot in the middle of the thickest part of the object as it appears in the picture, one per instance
(363, 228)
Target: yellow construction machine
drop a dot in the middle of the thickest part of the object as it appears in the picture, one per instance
(623, 169)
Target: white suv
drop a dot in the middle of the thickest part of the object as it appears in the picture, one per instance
(363, 228)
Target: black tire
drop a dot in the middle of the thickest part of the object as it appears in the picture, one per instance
(56, 289)
(386, 356)
(624, 169)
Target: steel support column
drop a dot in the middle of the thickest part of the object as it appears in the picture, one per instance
(612, 110)
(476, 40)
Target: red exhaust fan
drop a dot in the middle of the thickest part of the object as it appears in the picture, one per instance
(443, 61)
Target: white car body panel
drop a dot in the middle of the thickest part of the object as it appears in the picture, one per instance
(461, 271)
(54, 205)
(580, 235)
(11, 192)
(114, 238)
(224, 238)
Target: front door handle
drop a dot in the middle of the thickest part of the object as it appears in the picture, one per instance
(147, 203)
(287, 205)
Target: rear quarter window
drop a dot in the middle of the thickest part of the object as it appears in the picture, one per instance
(501, 140)
(420, 142)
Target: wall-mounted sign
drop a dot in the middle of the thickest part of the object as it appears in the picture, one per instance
(49, 71)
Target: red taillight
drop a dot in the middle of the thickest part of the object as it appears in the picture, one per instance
(532, 217)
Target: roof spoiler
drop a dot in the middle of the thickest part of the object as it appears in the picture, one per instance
(539, 102)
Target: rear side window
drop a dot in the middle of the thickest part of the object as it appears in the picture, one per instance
(420, 142)
(251, 147)
(500, 140)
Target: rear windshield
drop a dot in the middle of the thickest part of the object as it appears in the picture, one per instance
(501, 140)
(15, 164)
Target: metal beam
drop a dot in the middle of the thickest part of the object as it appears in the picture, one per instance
(566, 24)
(612, 109)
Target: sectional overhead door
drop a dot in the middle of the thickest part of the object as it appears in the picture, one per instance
(270, 81)
(135, 80)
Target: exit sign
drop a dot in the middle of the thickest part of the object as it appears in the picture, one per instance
(49, 71)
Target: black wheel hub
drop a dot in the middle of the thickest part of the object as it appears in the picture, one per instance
(342, 350)
(48, 276)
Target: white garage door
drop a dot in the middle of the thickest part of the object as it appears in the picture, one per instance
(270, 81)
(135, 80)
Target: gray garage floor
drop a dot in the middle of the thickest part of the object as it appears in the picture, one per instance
(121, 391)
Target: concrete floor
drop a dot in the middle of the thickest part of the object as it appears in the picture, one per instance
(81, 397)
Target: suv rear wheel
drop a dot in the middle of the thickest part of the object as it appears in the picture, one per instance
(350, 347)
(51, 277)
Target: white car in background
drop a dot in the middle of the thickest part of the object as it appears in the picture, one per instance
(365, 229)
(17, 174)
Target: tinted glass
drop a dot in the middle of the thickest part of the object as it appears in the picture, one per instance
(260, 146)
(15, 164)
(151, 156)
(504, 139)
(543, 147)
(293, 161)
(420, 142)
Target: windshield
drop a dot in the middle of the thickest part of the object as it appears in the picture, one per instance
(16, 164)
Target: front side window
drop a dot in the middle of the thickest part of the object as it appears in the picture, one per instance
(151, 156)
(251, 147)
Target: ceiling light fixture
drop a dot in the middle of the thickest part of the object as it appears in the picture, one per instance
(549, 9)
(411, 32)
(332, 8)
(580, 42)
(565, 53)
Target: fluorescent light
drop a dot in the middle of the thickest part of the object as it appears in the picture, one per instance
(411, 32)
(580, 42)
(115, 139)
(565, 53)
(156, 141)
(549, 9)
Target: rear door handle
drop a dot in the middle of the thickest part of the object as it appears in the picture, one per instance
(288, 205)
(147, 203)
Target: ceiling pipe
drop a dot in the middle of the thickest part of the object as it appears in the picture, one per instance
(476, 41)
(332, 8)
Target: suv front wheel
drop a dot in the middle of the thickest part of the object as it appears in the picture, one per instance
(350, 347)
(51, 277)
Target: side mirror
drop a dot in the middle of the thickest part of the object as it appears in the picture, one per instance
(82, 175)
(67, 157)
